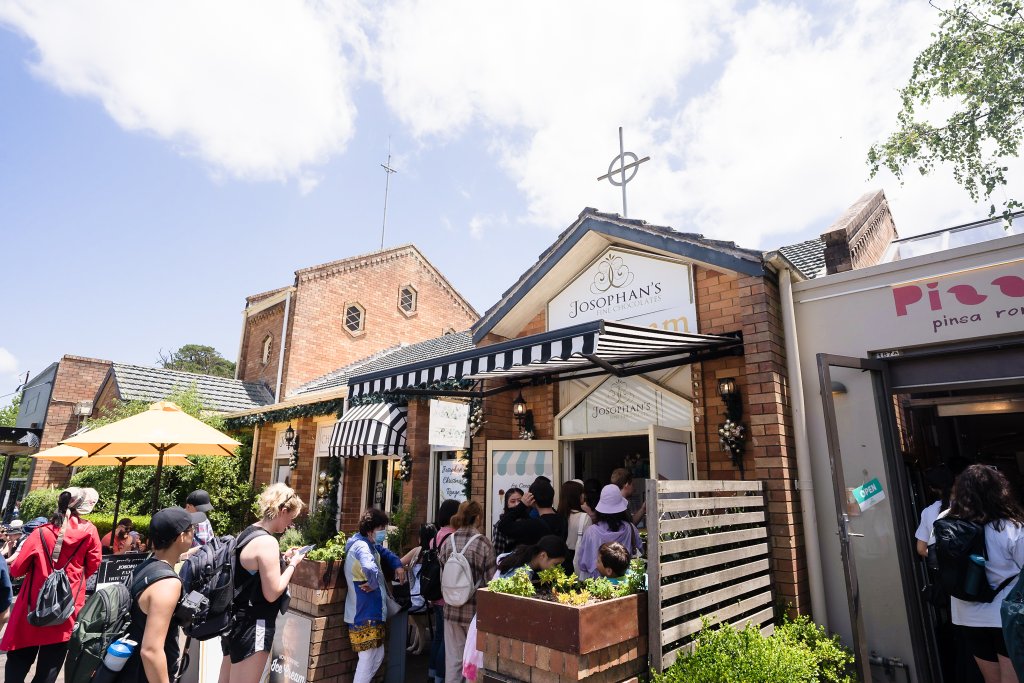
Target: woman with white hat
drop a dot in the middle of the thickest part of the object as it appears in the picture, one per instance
(66, 542)
(613, 525)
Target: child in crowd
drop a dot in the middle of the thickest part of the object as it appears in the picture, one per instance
(612, 561)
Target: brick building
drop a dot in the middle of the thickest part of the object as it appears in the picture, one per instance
(337, 313)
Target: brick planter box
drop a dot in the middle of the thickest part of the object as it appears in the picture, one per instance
(318, 592)
(537, 641)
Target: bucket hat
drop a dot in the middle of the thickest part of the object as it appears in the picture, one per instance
(611, 501)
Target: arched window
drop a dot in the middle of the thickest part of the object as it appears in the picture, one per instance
(268, 346)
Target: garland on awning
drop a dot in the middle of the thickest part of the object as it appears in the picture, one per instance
(333, 406)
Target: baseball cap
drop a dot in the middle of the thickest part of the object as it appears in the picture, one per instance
(200, 500)
(166, 524)
(611, 501)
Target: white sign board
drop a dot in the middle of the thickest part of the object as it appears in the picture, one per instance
(969, 303)
(626, 286)
(516, 469)
(628, 404)
(452, 479)
(449, 424)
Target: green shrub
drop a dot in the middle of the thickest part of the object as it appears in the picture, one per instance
(104, 523)
(518, 584)
(39, 503)
(292, 538)
(798, 651)
(333, 549)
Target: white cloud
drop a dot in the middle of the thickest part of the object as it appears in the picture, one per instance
(480, 223)
(8, 364)
(255, 88)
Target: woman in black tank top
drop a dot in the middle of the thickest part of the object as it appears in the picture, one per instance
(261, 566)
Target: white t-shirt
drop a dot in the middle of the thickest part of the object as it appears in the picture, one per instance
(925, 530)
(1005, 559)
(578, 523)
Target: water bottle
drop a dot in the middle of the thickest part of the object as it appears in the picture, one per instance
(118, 653)
(975, 576)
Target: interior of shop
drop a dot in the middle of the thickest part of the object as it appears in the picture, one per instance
(958, 428)
(598, 458)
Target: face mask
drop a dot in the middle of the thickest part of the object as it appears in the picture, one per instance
(380, 536)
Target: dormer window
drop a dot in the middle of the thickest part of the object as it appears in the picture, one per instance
(268, 345)
(407, 299)
(355, 318)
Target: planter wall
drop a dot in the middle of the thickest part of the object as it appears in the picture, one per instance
(318, 592)
(525, 639)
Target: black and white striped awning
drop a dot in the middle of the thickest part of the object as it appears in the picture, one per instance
(616, 348)
(371, 429)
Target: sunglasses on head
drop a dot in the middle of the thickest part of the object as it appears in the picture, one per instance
(287, 500)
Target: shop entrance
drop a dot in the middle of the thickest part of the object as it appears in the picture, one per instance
(887, 423)
(663, 453)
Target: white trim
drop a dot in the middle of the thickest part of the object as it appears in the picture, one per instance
(269, 302)
(597, 385)
(282, 344)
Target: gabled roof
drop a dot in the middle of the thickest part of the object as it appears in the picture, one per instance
(807, 257)
(617, 229)
(394, 357)
(220, 394)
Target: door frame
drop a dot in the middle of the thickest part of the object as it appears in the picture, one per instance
(924, 664)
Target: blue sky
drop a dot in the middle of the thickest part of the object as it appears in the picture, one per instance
(159, 162)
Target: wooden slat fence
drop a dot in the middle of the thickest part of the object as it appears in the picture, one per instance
(708, 555)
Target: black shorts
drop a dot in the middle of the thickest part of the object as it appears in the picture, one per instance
(984, 642)
(249, 635)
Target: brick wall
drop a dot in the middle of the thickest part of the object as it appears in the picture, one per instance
(318, 341)
(727, 303)
(78, 379)
(250, 364)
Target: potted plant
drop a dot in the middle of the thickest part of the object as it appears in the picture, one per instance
(322, 568)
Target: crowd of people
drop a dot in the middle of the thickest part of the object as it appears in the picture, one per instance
(592, 535)
(69, 543)
(592, 532)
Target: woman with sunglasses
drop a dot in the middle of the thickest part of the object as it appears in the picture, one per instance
(261, 585)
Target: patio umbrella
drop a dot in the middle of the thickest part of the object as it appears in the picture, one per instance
(163, 430)
(76, 457)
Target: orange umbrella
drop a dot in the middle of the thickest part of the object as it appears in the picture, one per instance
(76, 457)
(163, 430)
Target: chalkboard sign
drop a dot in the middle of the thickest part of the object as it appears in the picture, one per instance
(119, 568)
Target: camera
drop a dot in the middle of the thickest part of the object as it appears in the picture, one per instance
(189, 606)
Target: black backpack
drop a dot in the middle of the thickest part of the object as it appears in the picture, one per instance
(956, 540)
(210, 571)
(55, 602)
(430, 572)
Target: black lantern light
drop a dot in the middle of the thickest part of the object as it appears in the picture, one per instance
(523, 417)
(291, 440)
(730, 394)
(731, 433)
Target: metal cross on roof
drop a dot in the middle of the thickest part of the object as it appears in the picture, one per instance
(631, 166)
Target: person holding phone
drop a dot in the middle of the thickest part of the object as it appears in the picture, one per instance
(261, 585)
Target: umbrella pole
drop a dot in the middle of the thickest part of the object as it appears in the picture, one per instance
(156, 489)
(120, 486)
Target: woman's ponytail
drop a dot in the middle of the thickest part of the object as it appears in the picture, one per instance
(63, 501)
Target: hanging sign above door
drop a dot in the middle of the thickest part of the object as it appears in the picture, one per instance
(449, 424)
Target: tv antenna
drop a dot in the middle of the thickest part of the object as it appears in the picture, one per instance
(387, 182)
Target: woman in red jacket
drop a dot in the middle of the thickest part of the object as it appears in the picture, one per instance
(80, 556)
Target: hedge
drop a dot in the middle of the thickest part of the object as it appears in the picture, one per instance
(104, 523)
(43, 503)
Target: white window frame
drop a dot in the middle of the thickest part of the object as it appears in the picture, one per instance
(433, 499)
(415, 300)
(282, 454)
(321, 455)
(389, 484)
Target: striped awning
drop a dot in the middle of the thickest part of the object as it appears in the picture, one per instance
(616, 348)
(371, 429)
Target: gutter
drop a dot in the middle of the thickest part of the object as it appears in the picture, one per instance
(804, 473)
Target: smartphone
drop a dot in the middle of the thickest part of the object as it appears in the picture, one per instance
(305, 549)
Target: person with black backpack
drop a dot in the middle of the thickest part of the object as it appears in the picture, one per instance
(156, 591)
(980, 551)
(430, 585)
(56, 559)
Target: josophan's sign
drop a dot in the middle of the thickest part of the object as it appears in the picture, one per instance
(627, 286)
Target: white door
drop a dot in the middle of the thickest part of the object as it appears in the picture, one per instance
(670, 454)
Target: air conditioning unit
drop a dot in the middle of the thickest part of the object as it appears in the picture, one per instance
(83, 409)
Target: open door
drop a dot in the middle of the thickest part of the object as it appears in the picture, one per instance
(670, 454)
(873, 518)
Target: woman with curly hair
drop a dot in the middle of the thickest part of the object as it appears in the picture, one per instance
(982, 495)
